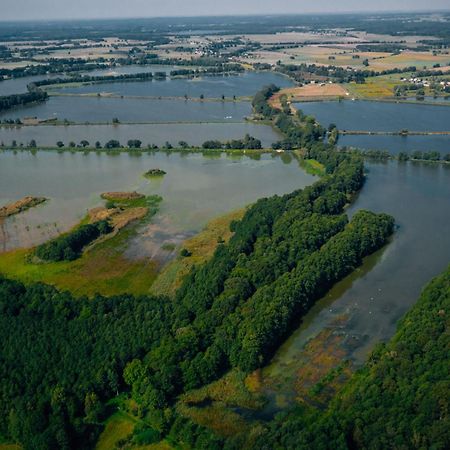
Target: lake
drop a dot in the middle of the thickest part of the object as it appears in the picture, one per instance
(159, 134)
(94, 109)
(379, 116)
(195, 190)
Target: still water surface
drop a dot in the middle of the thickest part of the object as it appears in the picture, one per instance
(195, 190)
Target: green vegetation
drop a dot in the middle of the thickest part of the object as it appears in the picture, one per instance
(247, 143)
(231, 312)
(103, 269)
(117, 428)
(154, 173)
(68, 247)
(313, 167)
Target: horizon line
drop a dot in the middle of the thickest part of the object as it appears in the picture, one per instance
(262, 14)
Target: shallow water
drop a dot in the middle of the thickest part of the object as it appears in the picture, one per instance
(159, 134)
(195, 190)
(379, 116)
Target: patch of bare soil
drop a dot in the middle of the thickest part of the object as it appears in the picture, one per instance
(121, 195)
(308, 92)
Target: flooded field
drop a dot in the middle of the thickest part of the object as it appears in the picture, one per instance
(379, 116)
(159, 134)
(195, 190)
(364, 308)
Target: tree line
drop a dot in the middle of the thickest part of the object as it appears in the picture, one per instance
(94, 79)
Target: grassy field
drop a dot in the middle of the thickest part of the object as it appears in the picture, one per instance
(313, 167)
(119, 426)
(375, 87)
(381, 86)
(102, 270)
(201, 247)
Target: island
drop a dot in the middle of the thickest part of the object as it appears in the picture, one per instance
(20, 205)
(154, 173)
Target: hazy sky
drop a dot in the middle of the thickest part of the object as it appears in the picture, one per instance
(55, 9)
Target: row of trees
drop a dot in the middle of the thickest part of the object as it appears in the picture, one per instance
(384, 155)
(248, 142)
(94, 79)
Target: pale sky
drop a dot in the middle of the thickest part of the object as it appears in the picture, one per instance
(79, 9)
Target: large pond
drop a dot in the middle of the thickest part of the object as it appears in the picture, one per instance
(94, 109)
(246, 84)
(365, 307)
(379, 116)
(397, 144)
(195, 190)
(159, 134)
